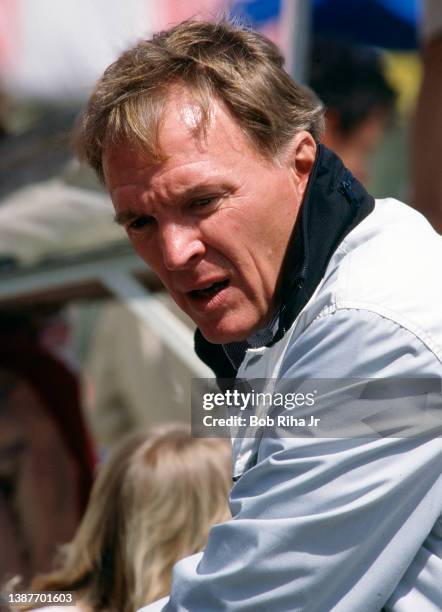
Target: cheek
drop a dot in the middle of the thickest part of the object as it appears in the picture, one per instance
(149, 253)
(223, 234)
(141, 249)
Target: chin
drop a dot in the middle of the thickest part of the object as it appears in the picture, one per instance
(218, 337)
(224, 334)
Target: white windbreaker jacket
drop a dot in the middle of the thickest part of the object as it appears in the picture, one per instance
(343, 524)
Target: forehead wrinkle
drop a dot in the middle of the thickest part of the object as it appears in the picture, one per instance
(184, 180)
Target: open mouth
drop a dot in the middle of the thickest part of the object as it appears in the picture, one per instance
(210, 291)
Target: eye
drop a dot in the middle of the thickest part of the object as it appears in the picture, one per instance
(207, 204)
(202, 202)
(140, 223)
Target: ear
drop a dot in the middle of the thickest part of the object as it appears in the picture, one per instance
(302, 154)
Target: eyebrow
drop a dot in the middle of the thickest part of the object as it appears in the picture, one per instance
(126, 215)
(197, 190)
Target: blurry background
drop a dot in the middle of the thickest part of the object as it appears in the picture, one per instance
(85, 353)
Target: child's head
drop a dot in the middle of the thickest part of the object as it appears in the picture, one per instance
(153, 502)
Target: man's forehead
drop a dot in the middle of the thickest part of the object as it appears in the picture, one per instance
(180, 138)
(190, 114)
(186, 125)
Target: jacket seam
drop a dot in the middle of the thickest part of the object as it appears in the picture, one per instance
(385, 313)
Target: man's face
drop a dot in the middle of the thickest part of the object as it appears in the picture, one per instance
(213, 220)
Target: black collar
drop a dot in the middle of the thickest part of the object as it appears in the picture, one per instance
(334, 203)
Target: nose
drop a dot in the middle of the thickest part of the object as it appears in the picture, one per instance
(181, 246)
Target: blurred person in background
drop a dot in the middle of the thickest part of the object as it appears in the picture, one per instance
(153, 502)
(359, 101)
(46, 455)
(135, 380)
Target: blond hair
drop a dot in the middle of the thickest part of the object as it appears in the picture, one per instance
(153, 503)
(239, 67)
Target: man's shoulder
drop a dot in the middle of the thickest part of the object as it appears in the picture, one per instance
(394, 222)
(394, 244)
(381, 292)
(389, 262)
(390, 265)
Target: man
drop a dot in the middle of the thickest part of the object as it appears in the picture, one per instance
(359, 101)
(289, 269)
